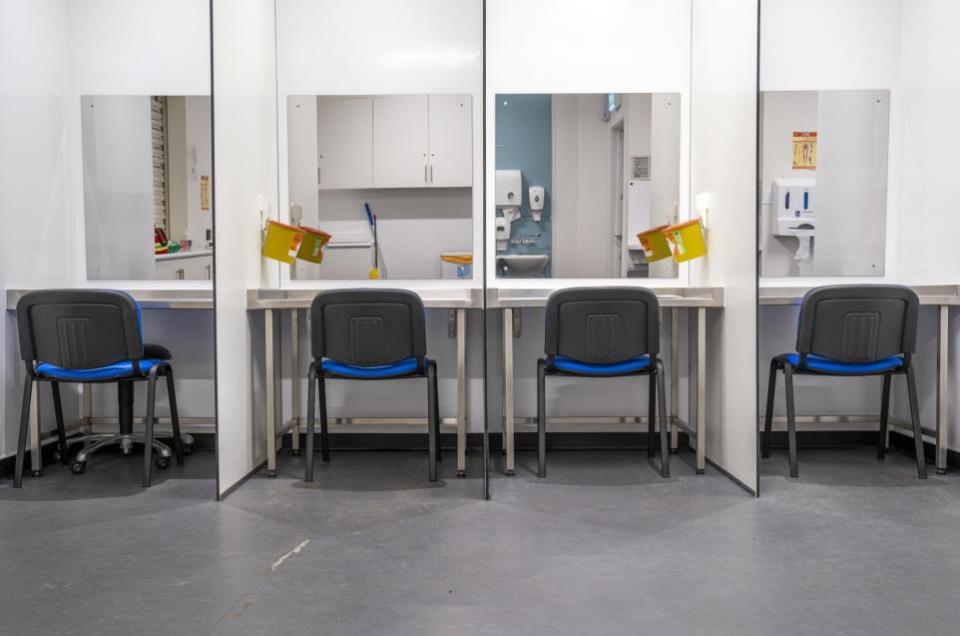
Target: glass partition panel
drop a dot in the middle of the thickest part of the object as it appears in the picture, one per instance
(383, 184)
(146, 186)
(580, 181)
(823, 167)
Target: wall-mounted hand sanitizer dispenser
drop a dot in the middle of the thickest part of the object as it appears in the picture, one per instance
(536, 202)
(792, 206)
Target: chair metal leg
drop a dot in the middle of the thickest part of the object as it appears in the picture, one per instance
(174, 418)
(61, 429)
(436, 423)
(768, 416)
(541, 418)
(659, 380)
(148, 423)
(324, 433)
(311, 416)
(884, 416)
(432, 418)
(651, 417)
(24, 432)
(915, 417)
(791, 419)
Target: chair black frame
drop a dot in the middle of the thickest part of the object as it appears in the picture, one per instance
(626, 340)
(388, 325)
(856, 333)
(54, 327)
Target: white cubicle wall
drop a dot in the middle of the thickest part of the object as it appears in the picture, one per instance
(245, 190)
(908, 48)
(53, 53)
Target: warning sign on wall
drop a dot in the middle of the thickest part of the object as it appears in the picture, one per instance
(804, 150)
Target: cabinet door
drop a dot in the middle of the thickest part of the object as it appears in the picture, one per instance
(344, 142)
(451, 141)
(400, 141)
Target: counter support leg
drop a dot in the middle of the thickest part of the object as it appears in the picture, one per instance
(508, 421)
(295, 381)
(701, 390)
(943, 362)
(461, 392)
(269, 389)
(674, 377)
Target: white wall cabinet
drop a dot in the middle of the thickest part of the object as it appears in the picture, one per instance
(400, 141)
(395, 141)
(344, 142)
(451, 141)
(185, 266)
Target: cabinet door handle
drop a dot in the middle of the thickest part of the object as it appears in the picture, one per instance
(180, 274)
(319, 175)
(209, 272)
(425, 173)
(431, 173)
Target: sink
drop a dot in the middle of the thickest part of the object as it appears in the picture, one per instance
(523, 264)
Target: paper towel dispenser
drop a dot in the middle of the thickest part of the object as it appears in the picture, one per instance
(793, 208)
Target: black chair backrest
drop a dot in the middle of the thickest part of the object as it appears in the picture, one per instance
(79, 328)
(368, 327)
(602, 325)
(858, 323)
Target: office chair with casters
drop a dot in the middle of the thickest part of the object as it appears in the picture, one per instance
(852, 331)
(368, 334)
(603, 332)
(88, 336)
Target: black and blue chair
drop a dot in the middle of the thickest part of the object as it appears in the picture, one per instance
(604, 332)
(369, 334)
(91, 337)
(852, 331)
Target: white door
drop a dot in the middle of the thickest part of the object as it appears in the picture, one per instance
(400, 141)
(344, 142)
(451, 141)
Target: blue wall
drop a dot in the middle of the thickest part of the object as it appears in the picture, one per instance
(524, 142)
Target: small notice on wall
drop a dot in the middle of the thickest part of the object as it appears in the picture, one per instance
(804, 150)
(204, 192)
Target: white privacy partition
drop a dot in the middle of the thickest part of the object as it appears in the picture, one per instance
(723, 167)
(245, 167)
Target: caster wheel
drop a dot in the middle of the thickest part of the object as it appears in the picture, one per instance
(941, 471)
(77, 468)
(701, 472)
(674, 451)
(162, 462)
(295, 452)
(187, 449)
(36, 473)
(461, 474)
(510, 473)
(56, 456)
(271, 473)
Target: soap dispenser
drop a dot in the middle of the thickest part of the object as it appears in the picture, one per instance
(536, 202)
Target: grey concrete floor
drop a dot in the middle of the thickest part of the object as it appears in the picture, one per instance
(602, 546)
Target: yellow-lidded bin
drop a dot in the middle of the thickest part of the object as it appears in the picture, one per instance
(687, 240)
(311, 248)
(654, 243)
(281, 241)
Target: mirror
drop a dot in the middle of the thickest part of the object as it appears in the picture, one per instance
(385, 182)
(823, 164)
(579, 177)
(147, 190)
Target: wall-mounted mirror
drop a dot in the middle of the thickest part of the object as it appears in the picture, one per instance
(579, 177)
(823, 167)
(147, 187)
(386, 181)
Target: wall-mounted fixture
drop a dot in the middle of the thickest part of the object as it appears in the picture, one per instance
(793, 212)
(536, 202)
(508, 197)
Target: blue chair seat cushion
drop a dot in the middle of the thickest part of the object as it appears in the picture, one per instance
(834, 367)
(404, 367)
(569, 365)
(115, 371)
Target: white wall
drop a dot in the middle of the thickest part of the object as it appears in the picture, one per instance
(245, 187)
(665, 185)
(723, 163)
